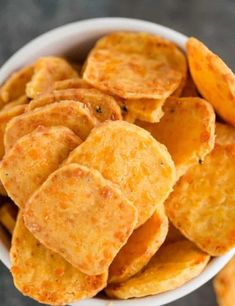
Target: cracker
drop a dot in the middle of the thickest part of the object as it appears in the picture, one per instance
(71, 114)
(47, 70)
(33, 157)
(202, 203)
(5, 116)
(225, 286)
(224, 134)
(214, 80)
(15, 85)
(140, 247)
(187, 130)
(135, 66)
(140, 165)
(45, 276)
(103, 106)
(81, 216)
(172, 266)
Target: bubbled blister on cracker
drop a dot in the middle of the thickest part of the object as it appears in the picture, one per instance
(44, 275)
(135, 66)
(171, 267)
(74, 115)
(81, 216)
(140, 247)
(214, 80)
(140, 165)
(46, 71)
(187, 129)
(201, 205)
(32, 158)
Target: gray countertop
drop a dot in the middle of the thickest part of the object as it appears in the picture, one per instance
(213, 21)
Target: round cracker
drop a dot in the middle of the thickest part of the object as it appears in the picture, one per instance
(103, 106)
(81, 216)
(187, 130)
(47, 70)
(15, 85)
(224, 134)
(33, 157)
(140, 247)
(172, 266)
(5, 116)
(71, 114)
(202, 203)
(214, 80)
(225, 286)
(45, 276)
(135, 65)
(130, 157)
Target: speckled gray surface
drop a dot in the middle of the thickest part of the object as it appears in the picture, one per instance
(213, 21)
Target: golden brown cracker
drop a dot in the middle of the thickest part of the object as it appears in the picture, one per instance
(187, 130)
(47, 70)
(202, 203)
(103, 106)
(172, 266)
(130, 157)
(135, 65)
(45, 276)
(33, 157)
(81, 216)
(214, 80)
(71, 114)
(140, 247)
(15, 85)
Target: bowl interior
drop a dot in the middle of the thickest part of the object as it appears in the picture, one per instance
(75, 40)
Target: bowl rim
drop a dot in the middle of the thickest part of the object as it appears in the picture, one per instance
(99, 25)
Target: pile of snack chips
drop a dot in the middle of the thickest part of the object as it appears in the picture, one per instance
(100, 157)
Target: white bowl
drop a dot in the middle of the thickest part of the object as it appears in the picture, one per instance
(75, 40)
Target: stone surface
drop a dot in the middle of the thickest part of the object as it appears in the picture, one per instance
(212, 21)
